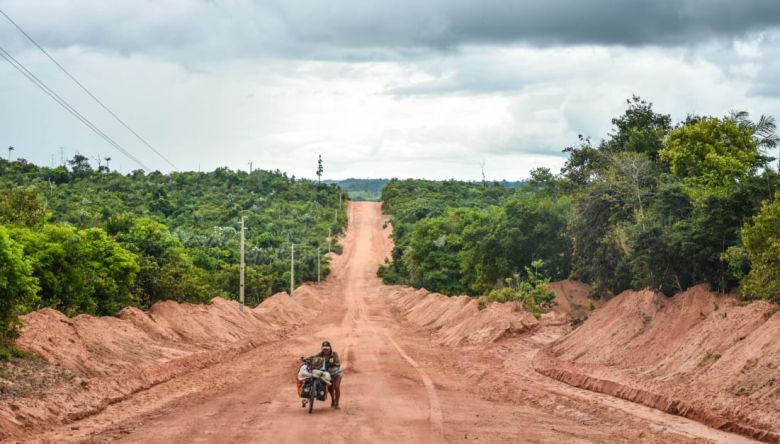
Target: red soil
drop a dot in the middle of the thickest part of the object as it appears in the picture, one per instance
(115, 357)
(456, 321)
(698, 354)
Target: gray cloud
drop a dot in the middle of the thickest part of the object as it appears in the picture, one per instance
(361, 30)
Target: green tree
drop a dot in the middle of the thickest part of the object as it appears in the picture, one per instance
(79, 271)
(599, 241)
(762, 244)
(18, 288)
(166, 272)
(712, 154)
(20, 206)
(80, 166)
(639, 129)
(528, 227)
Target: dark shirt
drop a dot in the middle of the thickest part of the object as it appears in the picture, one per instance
(330, 361)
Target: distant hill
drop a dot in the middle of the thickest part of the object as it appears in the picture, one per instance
(362, 189)
(371, 189)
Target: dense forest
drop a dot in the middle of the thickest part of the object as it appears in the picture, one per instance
(86, 240)
(652, 205)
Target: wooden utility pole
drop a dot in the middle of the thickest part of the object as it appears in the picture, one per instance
(292, 269)
(318, 264)
(329, 240)
(241, 269)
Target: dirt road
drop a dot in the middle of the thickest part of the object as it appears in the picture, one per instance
(399, 386)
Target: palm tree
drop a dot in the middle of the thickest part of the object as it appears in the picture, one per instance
(764, 133)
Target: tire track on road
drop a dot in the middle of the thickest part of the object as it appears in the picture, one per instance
(433, 399)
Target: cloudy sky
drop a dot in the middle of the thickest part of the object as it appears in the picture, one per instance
(401, 88)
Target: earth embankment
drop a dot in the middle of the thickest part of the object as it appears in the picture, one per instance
(111, 358)
(698, 354)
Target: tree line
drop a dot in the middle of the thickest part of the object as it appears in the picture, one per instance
(652, 205)
(85, 240)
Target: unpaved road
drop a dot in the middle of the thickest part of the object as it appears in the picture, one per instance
(398, 387)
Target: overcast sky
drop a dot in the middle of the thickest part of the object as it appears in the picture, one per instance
(401, 88)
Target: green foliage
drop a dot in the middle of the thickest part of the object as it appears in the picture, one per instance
(712, 154)
(533, 291)
(525, 228)
(634, 225)
(464, 238)
(639, 129)
(97, 241)
(79, 271)
(18, 288)
(20, 206)
(166, 271)
(438, 249)
(762, 245)
(599, 250)
(8, 352)
(435, 227)
(651, 206)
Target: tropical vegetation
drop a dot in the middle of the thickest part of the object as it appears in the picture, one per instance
(88, 240)
(652, 205)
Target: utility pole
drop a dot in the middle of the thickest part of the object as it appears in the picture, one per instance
(318, 264)
(250, 167)
(107, 159)
(292, 269)
(10, 148)
(329, 241)
(241, 269)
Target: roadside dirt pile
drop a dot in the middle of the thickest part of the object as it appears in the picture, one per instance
(698, 354)
(114, 357)
(457, 320)
(572, 301)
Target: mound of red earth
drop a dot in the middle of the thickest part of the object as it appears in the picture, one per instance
(698, 354)
(114, 357)
(458, 320)
(464, 320)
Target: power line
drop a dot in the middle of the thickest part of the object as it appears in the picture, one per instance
(84, 88)
(62, 102)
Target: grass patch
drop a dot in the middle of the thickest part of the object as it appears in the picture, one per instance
(8, 352)
(712, 356)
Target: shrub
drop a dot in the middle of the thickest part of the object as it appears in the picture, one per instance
(533, 292)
